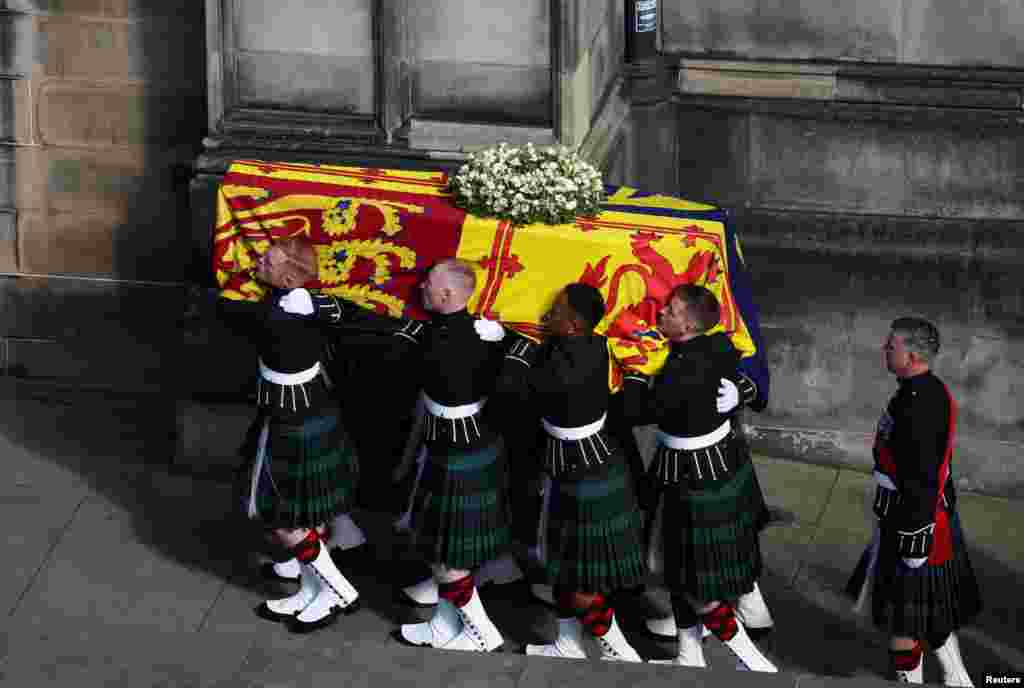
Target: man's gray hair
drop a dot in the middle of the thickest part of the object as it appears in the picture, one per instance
(919, 336)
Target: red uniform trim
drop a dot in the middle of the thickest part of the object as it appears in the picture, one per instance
(942, 537)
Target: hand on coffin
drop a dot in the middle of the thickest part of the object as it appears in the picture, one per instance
(297, 301)
(728, 396)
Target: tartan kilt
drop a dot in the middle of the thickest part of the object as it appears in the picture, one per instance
(926, 601)
(595, 530)
(710, 538)
(310, 471)
(460, 514)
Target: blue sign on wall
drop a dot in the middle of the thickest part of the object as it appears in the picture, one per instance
(646, 15)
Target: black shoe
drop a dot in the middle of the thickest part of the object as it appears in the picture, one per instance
(296, 626)
(265, 612)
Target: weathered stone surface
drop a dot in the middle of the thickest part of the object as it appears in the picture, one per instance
(342, 28)
(595, 17)
(67, 588)
(977, 249)
(984, 33)
(135, 242)
(656, 143)
(15, 111)
(18, 44)
(757, 79)
(606, 131)
(121, 9)
(318, 83)
(603, 66)
(35, 504)
(7, 177)
(202, 201)
(72, 180)
(169, 51)
(8, 241)
(917, 33)
(440, 31)
(109, 115)
(480, 61)
(77, 309)
(72, 652)
(467, 90)
(24, 5)
(713, 160)
(875, 168)
(433, 135)
(811, 377)
(938, 93)
(784, 30)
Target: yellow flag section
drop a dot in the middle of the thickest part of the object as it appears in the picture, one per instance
(634, 259)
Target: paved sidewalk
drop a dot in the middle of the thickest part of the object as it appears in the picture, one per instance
(120, 571)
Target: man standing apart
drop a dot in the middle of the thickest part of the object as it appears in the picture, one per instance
(924, 588)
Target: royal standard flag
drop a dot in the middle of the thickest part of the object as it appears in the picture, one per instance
(377, 231)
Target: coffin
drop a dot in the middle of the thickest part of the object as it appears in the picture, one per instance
(377, 231)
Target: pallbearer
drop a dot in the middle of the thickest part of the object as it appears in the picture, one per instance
(459, 517)
(304, 470)
(709, 507)
(594, 530)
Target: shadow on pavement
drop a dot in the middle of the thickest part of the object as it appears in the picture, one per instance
(122, 447)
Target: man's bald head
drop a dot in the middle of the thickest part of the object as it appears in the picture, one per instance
(449, 286)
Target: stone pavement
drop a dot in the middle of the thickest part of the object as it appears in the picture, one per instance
(122, 570)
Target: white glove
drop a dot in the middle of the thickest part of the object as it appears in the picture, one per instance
(297, 301)
(728, 396)
(489, 330)
(915, 563)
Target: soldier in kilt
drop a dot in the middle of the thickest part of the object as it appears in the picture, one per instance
(303, 469)
(704, 537)
(459, 517)
(924, 587)
(751, 608)
(594, 531)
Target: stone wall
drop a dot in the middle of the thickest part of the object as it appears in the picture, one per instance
(102, 104)
(871, 154)
(873, 159)
(926, 32)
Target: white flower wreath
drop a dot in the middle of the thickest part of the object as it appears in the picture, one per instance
(551, 185)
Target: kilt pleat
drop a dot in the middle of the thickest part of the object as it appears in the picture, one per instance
(929, 600)
(709, 538)
(460, 515)
(595, 530)
(311, 472)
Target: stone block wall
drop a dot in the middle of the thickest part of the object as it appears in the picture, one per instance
(873, 159)
(102, 107)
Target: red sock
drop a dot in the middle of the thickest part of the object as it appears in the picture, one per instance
(457, 592)
(307, 550)
(565, 602)
(906, 660)
(324, 531)
(721, 621)
(598, 618)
